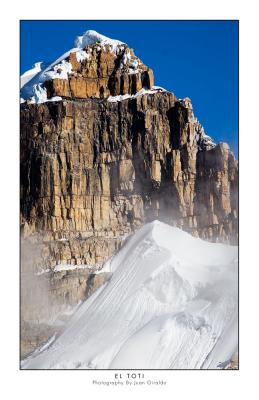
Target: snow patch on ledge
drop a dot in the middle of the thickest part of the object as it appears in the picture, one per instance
(97, 268)
(82, 55)
(203, 140)
(58, 71)
(132, 62)
(40, 96)
(142, 92)
(70, 267)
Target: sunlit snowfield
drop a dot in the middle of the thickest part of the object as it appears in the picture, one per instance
(171, 303)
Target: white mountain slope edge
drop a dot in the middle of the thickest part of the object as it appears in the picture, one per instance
(171, 303)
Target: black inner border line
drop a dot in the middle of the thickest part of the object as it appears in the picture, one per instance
(238, 152)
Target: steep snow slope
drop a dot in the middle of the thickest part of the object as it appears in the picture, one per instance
(171, 302)
(28, 75)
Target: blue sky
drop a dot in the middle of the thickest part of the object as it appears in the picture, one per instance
(196, 59)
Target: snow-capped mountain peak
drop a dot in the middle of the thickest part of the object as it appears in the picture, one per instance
(91, 37)
(98, 67)
(81, 62)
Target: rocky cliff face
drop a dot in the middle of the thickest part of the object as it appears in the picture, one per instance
(100, 72)
(110, 152)
(93, 171)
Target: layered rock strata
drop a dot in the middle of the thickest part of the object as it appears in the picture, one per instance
(100, 73)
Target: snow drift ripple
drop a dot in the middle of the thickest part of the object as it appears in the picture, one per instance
(170, 302)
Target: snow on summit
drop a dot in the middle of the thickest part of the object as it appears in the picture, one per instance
(32, 81)
(92, 37)
(171, 303)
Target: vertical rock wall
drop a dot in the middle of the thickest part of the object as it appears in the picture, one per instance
(92, 171)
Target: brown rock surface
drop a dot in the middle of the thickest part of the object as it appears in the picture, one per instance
(102, 73)
(93, 171)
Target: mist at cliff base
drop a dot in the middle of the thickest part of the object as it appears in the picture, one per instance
(171, 303)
